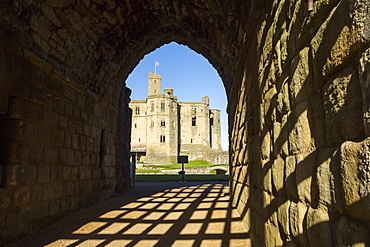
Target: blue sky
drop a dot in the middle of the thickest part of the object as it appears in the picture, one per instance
(188, 73)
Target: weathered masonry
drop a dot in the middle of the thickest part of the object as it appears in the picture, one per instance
(297, 85)
(163, 128)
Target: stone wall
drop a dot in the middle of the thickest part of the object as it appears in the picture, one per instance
(299, 146)
(57, 141)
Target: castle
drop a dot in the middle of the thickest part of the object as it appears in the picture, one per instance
(163, 128)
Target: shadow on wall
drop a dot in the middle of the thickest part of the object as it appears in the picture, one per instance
(152, 214)
(292, 188)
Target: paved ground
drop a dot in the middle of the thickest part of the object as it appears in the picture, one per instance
(152, 214)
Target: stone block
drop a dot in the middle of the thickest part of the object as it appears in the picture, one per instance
(283, 215)
(5, 198)
(54, 207)
(23, 152)
(78, 157)
(43, 174)
(47, 192)
(60, 190)
(89, 144)
(70, 188)
(23, 90)
(96, 173)
(297, 216)
(37, 95)
(75, 171)
(50, 118)
(4, 103)
(63, 156)
(36, 194)
(59, 105)
(301, 84)
(50, 155)
(71, 156)
(305, 177)
(57, 137)
(266, 146)
(319, 227)
(36, 152)
(350, 232)
(324, 176)
(290, 177)
(299, 130)
(1, 174)
(22, 196)
(11, 129)
(76, 113)
(56, 173)
(28, 174)
(70, 94)
(11, 175)
(49, 13)
(41, 210)
(343, 117)
(355, 176)
(42, 134)
(6, 82)
(278, 174)
(63, 121)
(267, 176)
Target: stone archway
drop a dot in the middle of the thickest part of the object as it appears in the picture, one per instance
(297, 88)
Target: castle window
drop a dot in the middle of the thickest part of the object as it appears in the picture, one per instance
(211, 120)
(193, 110)
(194, 121)
(152, 107)
(151, 123)
(163, 123)
(135, 125)
(163, 106)
(139, 139)
(155, 81)
(162, 138)
(137, 110)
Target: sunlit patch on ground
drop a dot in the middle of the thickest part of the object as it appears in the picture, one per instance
(183, 216)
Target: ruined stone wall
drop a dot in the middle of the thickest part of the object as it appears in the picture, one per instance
(58, 143)
(299, 147)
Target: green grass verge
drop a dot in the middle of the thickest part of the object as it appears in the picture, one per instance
(191, 164)
(175, 177)
(147, 171)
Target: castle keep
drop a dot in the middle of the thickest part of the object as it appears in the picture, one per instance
(163, 128)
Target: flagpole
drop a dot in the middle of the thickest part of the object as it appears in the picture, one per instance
(156, 63)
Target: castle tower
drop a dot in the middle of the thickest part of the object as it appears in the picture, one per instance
(154, 84)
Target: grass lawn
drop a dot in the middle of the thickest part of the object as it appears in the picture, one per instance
(191, 164)
(175, 177)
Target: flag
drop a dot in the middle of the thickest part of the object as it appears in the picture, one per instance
(156, 63)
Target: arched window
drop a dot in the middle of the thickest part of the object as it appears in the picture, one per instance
(162, 138)
(163, 123)
(137, 110)
(152, 123)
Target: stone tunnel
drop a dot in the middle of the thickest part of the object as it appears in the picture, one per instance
(297, 82)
